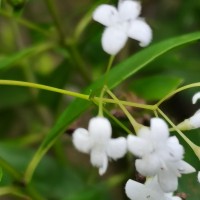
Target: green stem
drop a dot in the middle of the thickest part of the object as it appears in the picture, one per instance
(101, 102)
(104, 85)
(194, 147)
(117, 122)
(74, 94)
(33, 193)
(13, 191)
(110, 62)
(85, 20)
(177, 91)
(25, 23)
(10, 169)
(135, 125)
(80, 65)
(54, 14)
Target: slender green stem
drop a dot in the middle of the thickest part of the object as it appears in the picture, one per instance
(194, 147)
(25, 23)
(101, 102)
(10, 169)
(135, 125)
(118, 122)
(32, 165)
(110, 62)
(78, 61)
(177, 91)
(85, 20)
(13, 191)
(54, 14)
(43, 87)
(34, 193)
(155, 113)
(104, 85)
(74, 94)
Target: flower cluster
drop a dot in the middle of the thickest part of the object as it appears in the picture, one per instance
(122, 23)
(160, 156)
(97, 141)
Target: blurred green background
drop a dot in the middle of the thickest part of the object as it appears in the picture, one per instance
(55, 42)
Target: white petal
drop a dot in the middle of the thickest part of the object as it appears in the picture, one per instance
(144, 133)
(140, 31)
(198, 176)
(99, 159)
(196, 97)
(185, 168)
(129, 9)
(152, 183)
(169, 196)
(167, 180)
(159, 130)
(194, 121)
(100, 130)
(114, 39)
(106, 15)
(138, 191)
(138, 146)
(176, 150)
(81, 140)
(148, 166)
(117, 148)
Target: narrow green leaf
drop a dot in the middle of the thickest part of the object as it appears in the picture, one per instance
(13, 59)
(118, 74)
(155, 87)
(1, 174)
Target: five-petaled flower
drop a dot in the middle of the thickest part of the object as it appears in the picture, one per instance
(149, 191)
(97, 141)
(122, 23)
(159, 154)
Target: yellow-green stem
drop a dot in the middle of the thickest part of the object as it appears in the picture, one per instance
(177, 91)
(13, 191)
(10, 169)
(54, 14)
(25, 23)
(135, 125)
(74, 94)
(101, 102)
(194, 147)
(104, 85)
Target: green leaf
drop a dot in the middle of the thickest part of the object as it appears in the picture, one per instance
(155, 87)
(15, 58)
(118, 74)
(1, 174)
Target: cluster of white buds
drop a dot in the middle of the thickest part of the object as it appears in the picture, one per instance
(160, 156)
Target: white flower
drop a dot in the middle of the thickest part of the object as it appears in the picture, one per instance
(159, 154)
(97, 141)
(122, 23)
(194, 121)
(149, 191)
(196, 97)
(198, 176)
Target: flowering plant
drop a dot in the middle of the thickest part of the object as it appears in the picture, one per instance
(140, 135)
